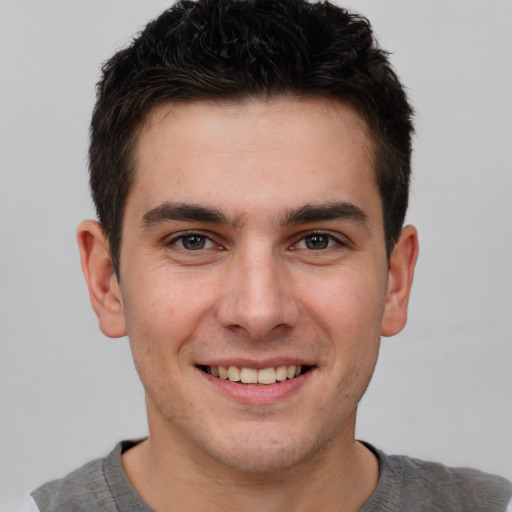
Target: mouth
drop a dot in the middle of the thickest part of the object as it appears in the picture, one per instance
(254, 376)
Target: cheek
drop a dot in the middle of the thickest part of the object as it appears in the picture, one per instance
(348, 303)
(349, 308)
(166, 300)
(161, 315)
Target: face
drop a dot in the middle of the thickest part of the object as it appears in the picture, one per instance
(253, 250)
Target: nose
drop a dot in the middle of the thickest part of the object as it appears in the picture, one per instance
(257, 297)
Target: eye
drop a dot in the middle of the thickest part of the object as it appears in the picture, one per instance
(317, 242)
(192, 242)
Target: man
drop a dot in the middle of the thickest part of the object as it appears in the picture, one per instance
(250, 165)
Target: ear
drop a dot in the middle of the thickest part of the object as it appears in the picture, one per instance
(101, 279)
(400, 276)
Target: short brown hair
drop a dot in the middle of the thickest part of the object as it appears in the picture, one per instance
(233, 49)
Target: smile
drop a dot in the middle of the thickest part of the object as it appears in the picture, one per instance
(263, 376)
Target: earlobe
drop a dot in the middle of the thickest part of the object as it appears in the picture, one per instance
(101, 279)
(400, 277)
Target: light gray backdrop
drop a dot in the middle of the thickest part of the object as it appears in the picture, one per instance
(442, 388)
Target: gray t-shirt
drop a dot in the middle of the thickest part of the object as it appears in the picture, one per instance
(405, 484)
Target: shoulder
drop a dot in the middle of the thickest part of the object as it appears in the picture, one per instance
(75, 491)
(457, 485)
(98, 485)
(414, 484)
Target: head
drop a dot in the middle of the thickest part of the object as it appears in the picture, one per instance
(235, 50)
(250, 166)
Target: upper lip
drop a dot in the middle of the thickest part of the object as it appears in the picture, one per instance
(257, 364)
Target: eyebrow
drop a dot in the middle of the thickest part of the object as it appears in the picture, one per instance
(171, 211)
(341, 210)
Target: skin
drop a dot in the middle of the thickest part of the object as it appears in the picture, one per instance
(257, 284)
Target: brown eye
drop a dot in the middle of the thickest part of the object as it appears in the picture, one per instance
(193, 242)
(317, 241)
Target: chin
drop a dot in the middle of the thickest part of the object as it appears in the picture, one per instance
(269, 453)
(264, 460)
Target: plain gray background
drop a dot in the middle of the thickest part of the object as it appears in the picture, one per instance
(442, 387)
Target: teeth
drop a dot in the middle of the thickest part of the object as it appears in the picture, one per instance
(234, 373)
(281, 373)
(290, 371)
(248, 375)
(254, 376)
(223, 372)
(267, 376)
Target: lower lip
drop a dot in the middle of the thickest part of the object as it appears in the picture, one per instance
(258, 394)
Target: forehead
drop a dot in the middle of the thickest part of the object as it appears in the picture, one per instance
(284, 151)
(253, 116)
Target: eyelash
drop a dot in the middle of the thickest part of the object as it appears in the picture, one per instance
(330, 238)
(205, 238)
(189, 235)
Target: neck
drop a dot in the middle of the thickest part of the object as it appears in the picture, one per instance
(171, 477)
